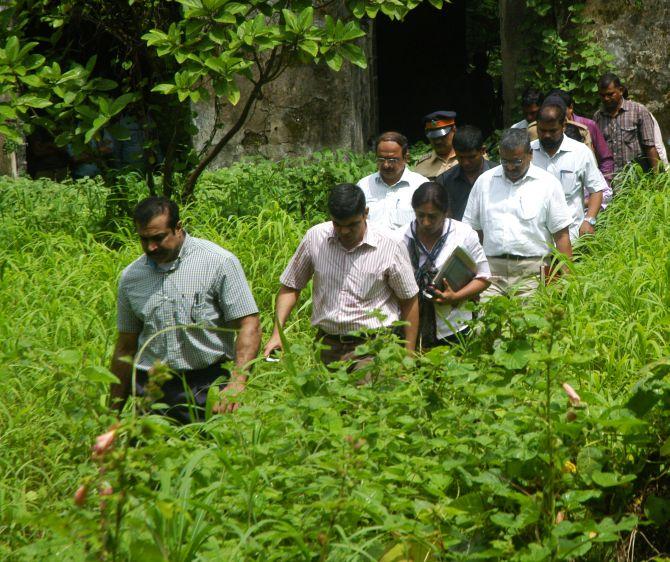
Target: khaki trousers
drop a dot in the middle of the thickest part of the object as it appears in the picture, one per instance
(514, 276)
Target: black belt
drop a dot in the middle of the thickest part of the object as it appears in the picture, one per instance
(516, 258)
(211, 371)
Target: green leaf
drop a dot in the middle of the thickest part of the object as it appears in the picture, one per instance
(310, 47)
(12, 49)
(7, 112)
(334, 60)
(665, 448)
(32, 100)
(609, 479)
(657, 509)
(164, 88)
(96, 373)
(121, 102)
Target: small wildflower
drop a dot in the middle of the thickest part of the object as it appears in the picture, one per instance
(569, 466)
(572, 395)
(80, 495)
(560, 517)
(103, 443)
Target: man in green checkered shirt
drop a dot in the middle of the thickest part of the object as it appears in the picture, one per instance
(180, 281)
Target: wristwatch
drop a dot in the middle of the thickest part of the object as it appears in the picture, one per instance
(591, 220)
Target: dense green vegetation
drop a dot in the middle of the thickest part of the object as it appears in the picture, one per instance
(466, 454)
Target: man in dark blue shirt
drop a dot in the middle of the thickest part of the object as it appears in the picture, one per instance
(458, 181)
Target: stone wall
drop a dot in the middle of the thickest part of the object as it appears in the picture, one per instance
(637, 34)
(306, 109)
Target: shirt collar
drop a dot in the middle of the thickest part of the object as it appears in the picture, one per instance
(370, 238)
(404, 180)
(566, 146)
(533, 172)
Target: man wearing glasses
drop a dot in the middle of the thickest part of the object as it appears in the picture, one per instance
(389, 190)
(520, 213)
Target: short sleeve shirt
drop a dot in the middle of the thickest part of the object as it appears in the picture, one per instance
(517, 218)
(628, 133)
(205, 285)
(391, 205)
(458, 188)
(433, 165)
(574, 165)
(350, 284)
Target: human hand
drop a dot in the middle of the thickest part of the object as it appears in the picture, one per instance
(586, 228)
(446, 296)
(274, 344)
(228, 402)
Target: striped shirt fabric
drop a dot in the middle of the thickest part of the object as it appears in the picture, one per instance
(350, 284)
(628, 133)
(204, 285)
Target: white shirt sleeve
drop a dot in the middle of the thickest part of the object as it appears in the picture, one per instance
(474, 248)
(558, 214)
(472, 214)
(594, 180)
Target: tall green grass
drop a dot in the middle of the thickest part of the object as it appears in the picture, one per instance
(444, 456)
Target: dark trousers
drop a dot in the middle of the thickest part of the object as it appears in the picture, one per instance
(342, 348)
(185, 393)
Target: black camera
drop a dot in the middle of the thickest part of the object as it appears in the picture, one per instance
(429, 291)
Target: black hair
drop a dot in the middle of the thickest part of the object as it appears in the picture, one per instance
(346, 200)
(468, 138)
(152, 207)
(511, 139)
(607, 79)
(565, 96)
(552, 108)
(431, 192)
(394, 136)
(531, 96)
(572, 131)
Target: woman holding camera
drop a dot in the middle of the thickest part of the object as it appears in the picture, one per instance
(431, 239)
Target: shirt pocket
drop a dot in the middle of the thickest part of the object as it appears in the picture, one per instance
(568, 181)
(529, 208)
(629, 135)
(194, 309)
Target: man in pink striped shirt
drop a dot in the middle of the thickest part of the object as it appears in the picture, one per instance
(358, 268)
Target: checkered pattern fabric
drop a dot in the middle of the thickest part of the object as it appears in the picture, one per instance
(205, 285)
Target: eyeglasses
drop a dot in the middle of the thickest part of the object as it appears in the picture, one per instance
(516, 162)
(392, 161)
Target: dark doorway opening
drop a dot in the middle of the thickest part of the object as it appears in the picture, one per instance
(436, 60)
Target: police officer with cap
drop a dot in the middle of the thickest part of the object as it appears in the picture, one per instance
(440, 127)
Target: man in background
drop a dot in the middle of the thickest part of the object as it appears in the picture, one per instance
(389, 190)
(440, 127)
(626, 125)
(458, 181)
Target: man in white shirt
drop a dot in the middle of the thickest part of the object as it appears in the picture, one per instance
(571, 163)
(519, 212)
(389, 191)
